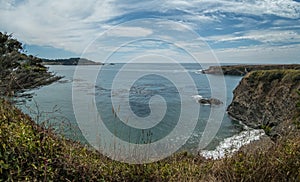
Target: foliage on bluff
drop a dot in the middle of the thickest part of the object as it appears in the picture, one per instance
(241, 70)
(18, 70)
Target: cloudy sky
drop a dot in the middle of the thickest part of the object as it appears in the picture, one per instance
(251, 31)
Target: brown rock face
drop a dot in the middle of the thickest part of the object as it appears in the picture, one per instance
(267, 99)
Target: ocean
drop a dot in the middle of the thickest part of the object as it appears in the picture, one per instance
(140, 104)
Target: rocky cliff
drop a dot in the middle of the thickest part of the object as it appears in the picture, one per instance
(267, 99)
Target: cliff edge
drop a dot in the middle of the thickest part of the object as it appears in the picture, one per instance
(267, 99)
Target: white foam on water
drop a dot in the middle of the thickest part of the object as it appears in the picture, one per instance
(232, 144)
(199, 71)
(197, 97)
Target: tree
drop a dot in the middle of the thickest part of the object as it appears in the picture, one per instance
(20, 71)
(9, 44)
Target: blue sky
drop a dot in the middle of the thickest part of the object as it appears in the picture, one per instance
(262, 31)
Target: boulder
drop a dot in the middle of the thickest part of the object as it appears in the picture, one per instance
(210, 101)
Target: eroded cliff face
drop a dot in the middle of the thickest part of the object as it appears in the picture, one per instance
(267, 99)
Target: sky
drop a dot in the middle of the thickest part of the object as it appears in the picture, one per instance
(229, 31)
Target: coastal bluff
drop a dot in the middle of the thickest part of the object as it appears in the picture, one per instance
(241, 70)
(267, 99)
(70, 61)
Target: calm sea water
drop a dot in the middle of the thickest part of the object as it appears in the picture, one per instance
(53, 105)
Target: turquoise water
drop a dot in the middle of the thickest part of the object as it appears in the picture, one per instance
(53, 103)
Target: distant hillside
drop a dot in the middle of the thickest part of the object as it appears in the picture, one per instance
(70, 61)
(242, 70)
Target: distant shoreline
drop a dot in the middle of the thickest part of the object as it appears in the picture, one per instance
(243, 69)
(70, 61)
(66, 64)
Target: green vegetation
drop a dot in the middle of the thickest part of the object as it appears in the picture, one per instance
(298, 103)
(30, 152)
(241, 70)
(270, 75)
(267, 129)
(18, 70)
(297, 117)
(279, 163)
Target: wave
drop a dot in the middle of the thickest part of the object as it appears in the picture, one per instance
(232, 144)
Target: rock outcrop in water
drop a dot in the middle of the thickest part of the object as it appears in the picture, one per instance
(241, 70)
(211, 101)
(267, 99)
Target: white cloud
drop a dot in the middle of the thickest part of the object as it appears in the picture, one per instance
(264, 36)
(282, 8)
(122, 31)
(73, 24)
(69, 25)
(260, 54)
